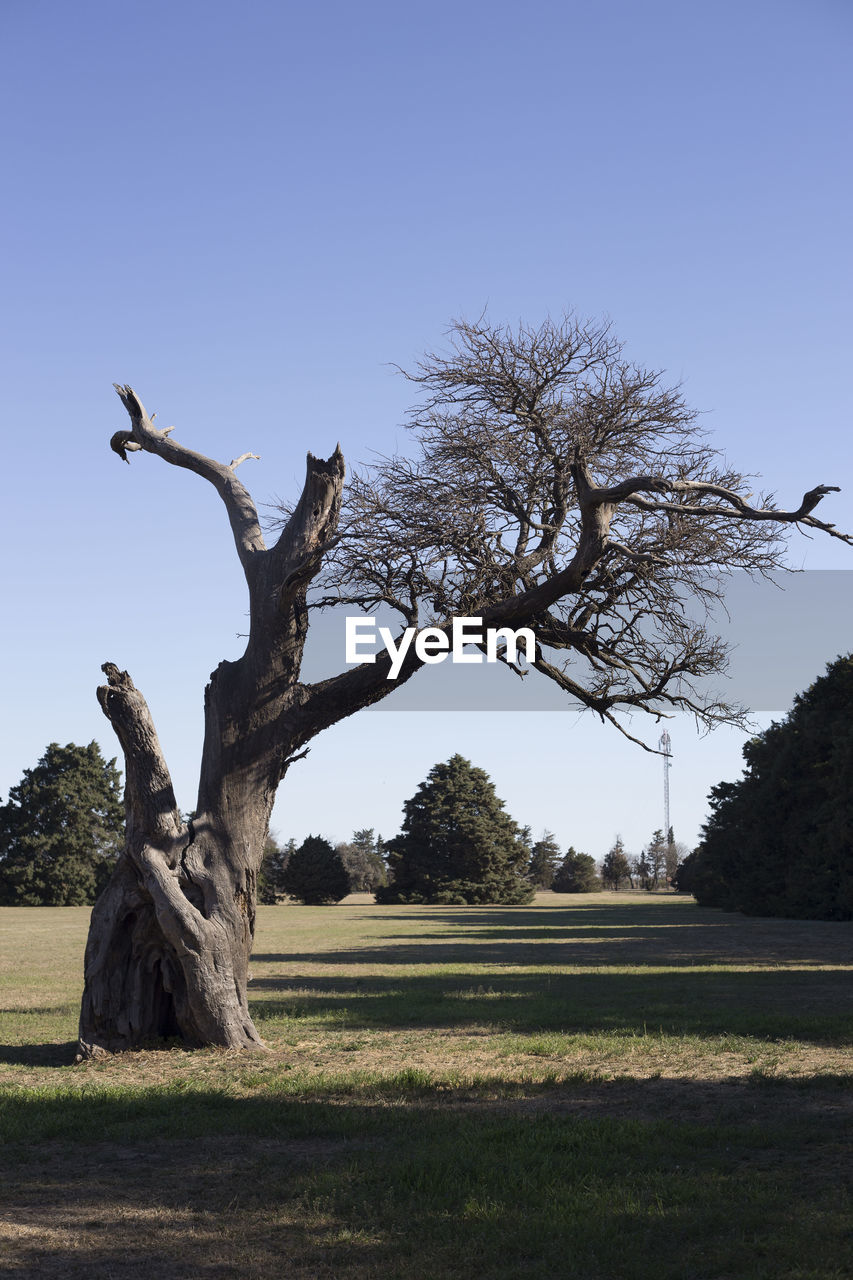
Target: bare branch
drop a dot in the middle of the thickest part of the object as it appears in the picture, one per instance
(155, 832)
(149, 794)
(611, 719)
(238, 502)
(235, 462)
(557, 486)
(813, 523)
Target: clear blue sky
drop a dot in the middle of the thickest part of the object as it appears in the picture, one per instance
(249, 211)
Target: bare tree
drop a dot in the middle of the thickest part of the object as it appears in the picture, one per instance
(555, 485)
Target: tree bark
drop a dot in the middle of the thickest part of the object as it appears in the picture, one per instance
(170, 937)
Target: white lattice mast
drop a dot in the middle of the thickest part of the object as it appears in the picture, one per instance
(665, 745)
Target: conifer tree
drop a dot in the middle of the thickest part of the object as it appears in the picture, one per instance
(271, 875)
(779, 841)
(457, 845)
(640, 870)
(576, 874)
(62, 829)
(656, 860)
(315, 873)
(544, 860)
(615, 869)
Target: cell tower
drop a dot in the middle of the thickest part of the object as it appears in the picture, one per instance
(665, 745)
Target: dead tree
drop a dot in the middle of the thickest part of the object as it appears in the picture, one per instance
(554, 485)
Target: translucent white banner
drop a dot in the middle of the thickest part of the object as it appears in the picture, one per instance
(782, 632)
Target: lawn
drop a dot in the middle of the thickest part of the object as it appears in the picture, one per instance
(595, 1086)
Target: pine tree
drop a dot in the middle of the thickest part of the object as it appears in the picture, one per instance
(656, 860)
(615, 869)
(576, 874)
(544, 859)
(62, 829)
(315, 873)
(457, 845)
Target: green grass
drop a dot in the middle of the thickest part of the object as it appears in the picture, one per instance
(596, 1087)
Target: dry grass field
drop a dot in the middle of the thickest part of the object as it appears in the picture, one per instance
(595, 1086)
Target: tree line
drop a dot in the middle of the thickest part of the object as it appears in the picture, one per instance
(62, 831)
(777, 842)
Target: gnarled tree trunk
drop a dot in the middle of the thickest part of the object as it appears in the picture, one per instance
(170, 937)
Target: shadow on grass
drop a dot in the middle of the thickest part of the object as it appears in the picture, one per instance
(815, 1005)
(407, 1182)
(660, 931)
(640, 949)
(39, 1055)
(771, 978)
(659, 910)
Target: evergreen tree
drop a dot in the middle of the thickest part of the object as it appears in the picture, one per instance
(656, 860)
(271, 875)
(315, 873)
(683, 878)
(457, 845)
(779, 841)
(615, 869)
(62, 829)
(577, 873)
(544, 859)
